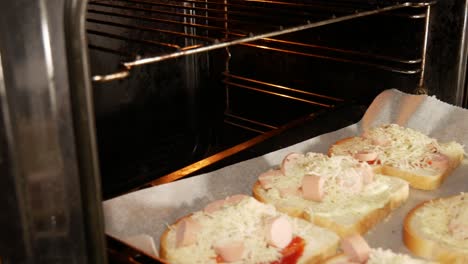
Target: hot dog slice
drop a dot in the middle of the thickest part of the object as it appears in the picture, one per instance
(230, 251)
(313, 187)
(278, 231)
(290, 163)
(366, 155)
(186, 232)
(356, 248)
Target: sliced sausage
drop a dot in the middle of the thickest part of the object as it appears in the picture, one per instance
(313, 187)
(214, 206)
(439, 161)
(278, 231)
(290, 163)
(186, 232)
(356, 248)
(366, 155)
(229, 251)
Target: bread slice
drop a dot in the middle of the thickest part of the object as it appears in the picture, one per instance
(380, 256)
(406, 154)
(343, 213)
(245, 221)
(438, 229)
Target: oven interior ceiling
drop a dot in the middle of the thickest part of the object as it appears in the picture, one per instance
(177, 81)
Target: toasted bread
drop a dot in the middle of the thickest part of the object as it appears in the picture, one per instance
(427, 230)
(405, 154)
(344, 214)
(380, 256)
(244, 221)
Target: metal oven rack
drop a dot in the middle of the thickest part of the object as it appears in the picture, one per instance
(172, 29)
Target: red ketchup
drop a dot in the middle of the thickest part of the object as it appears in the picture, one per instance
(292, 252)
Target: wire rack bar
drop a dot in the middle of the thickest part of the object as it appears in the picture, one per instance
(277, 94)
(119, 37)
(272, 85)
(317, 56)
(216, 44)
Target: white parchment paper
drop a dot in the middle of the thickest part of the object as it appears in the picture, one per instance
(149, 211)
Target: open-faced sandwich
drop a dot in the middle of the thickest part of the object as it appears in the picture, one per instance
(240, 229)
(438, 229)
(339, 192)
(405, 153)
(356, 251)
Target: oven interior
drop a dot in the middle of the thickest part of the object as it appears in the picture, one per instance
(167, 92)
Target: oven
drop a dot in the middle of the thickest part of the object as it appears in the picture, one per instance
(104, 97)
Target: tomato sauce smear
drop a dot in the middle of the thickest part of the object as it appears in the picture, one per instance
(292, 252)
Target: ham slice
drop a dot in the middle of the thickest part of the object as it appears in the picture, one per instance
(186, 232)
(279, 231)
(313, 187)
(290, 163)
(229, 251)
(356, 248)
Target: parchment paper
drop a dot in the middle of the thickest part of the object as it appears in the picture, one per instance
(150, 210)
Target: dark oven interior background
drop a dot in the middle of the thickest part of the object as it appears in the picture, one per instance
(171, 113)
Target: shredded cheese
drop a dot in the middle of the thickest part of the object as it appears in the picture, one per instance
(407, 149)
(338, 203)
(244, 221)
(433, 220)
(382, 256)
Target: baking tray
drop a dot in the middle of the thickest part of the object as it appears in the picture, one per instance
(149, 211)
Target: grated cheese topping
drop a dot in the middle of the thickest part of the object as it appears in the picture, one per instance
(406, 149)
(337, 201)
(433, 220)
(244, 221)
(382, 256)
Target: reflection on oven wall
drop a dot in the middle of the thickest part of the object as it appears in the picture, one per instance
(169, 114)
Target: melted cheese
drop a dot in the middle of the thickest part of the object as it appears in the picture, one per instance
(245, 222)
(381, 256)
(408, 149)
(337, 202)
(434, 217)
